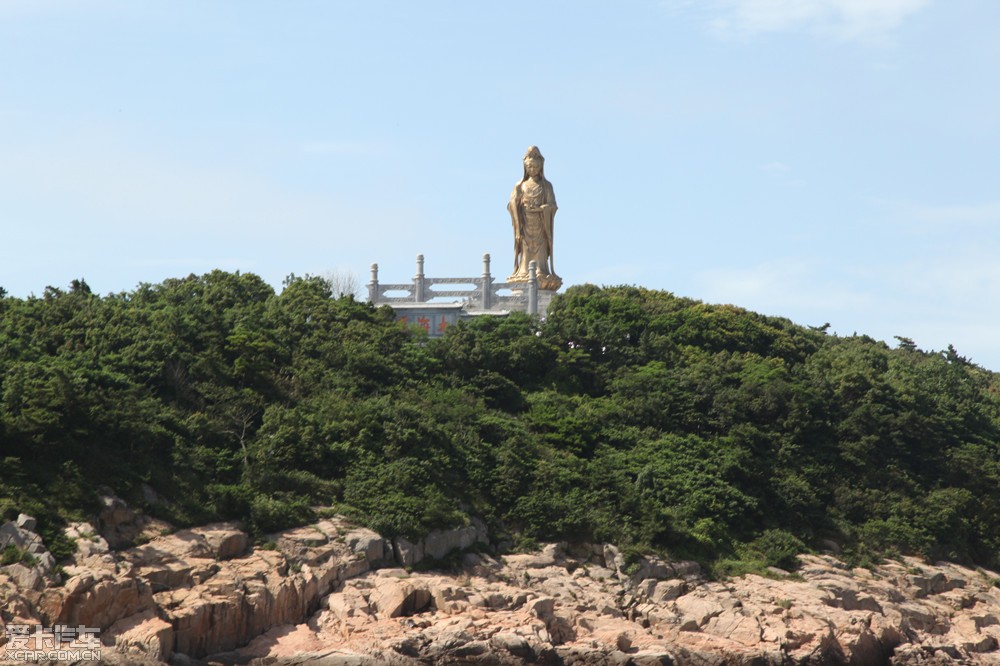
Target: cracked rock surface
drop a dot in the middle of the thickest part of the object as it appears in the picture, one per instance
(583, 608)
(333, 593)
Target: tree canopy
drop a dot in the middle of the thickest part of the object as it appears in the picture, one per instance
(628, 415)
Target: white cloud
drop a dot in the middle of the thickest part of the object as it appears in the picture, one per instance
(846, 19)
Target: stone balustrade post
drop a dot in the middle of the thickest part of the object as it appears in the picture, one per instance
(418, 280)
(487, 286)
(373, 285)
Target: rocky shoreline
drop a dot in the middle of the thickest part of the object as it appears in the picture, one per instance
(333, 593)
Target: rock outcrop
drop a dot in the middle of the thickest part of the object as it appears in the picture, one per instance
(589, 608)
(120, 526)
(189, 593)
(30, 564)
(333, 593)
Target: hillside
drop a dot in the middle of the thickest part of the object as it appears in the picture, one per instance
(629, 416)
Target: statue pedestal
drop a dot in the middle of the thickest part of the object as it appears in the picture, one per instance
(545, 282)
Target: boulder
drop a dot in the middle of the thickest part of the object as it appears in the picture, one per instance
(613, 558)
(514, 644)
(97, 599)
(480, 564)
(88, 542)
(542, 608)
(314, 546)
(482, 534)
(226, 540)
(16, 607)
(10, 533)
(735, 625)
(369, 544)
(116, 521)
(439, 543)
(696, 609)
(142, 636)
(44, 562)
(180, 546)
(668, 590)
(393, 597)
(407, 553)
(348, 603)
(26, 522)
(686, 569)
(450, 599)
(122, 527)
(26, 578)
(651, 568)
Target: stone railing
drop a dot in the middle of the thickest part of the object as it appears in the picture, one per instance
(484, 294)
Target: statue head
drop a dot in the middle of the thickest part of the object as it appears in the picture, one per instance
(534, 163)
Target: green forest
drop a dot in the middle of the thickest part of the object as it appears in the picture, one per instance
(628, 415)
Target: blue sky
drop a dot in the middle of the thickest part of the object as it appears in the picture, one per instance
(823, 160)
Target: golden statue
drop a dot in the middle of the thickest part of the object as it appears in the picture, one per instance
(532, 208)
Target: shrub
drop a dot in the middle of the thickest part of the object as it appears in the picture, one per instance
(269, 514)
(14, 555)
(776, 548)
